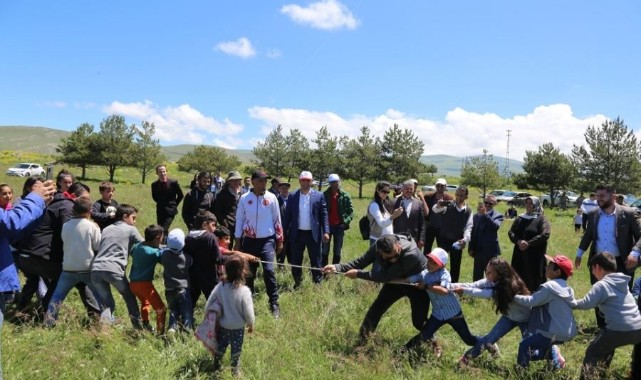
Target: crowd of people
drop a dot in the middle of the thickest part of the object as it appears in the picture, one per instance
(236, 224)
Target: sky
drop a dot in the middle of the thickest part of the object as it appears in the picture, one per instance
(460, 74)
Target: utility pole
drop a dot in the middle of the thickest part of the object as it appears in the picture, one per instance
(506, 168)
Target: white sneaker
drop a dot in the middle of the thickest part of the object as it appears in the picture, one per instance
(493, 349)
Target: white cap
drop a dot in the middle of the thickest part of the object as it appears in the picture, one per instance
(305, 175)
(333, 178)
(176, 239)
(439, 256)
(441, 181)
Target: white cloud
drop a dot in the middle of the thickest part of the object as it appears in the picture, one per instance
(460, 133)
(325, 15)
(180, 124)
(242, 48)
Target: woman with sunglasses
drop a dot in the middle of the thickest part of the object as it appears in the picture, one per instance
(380, 219)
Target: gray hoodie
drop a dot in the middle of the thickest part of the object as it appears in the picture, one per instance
(612, 296)
(551, 310)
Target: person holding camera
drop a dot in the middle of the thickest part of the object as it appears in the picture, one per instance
(456, 228)
(411, 221)
(433, 223)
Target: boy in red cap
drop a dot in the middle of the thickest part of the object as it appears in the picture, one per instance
(551, 321)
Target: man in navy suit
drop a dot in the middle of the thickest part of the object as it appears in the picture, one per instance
(306, 224)
(484, 242)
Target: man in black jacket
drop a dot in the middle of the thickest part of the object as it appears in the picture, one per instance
(226, 202)
(167, 194)
(198, 199)
(398, 257)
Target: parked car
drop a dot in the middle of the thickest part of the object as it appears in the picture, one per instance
(636, 203)
(519, 199)
(451, 188)
(26, 169)
(428, 188)
(571, 201)
(506, 196)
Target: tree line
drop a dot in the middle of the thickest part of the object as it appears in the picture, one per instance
(611, 154)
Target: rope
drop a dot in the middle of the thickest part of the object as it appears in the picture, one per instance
(320, 269)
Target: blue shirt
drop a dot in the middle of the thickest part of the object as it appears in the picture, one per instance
(444, 306)
(144, 260)
(606, 239)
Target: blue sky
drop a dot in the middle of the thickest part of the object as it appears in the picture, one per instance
(458, 73)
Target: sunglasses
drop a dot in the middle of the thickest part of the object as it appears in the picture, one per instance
(489, 203)
(384, 191)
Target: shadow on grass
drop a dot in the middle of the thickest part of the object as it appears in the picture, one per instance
(198, 366)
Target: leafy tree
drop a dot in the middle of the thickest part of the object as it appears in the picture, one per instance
(147, 150)
(401, 151)
(79, 148)
(548, 169)
(296, 155)
(325, 158)
(610, 157)
(481, 172)
(271, 154)
(361, 157)
(208, 158)
(115, 144)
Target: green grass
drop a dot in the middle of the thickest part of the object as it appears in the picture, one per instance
(315, 338)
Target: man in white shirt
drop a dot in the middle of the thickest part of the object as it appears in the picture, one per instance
(587, 206)
(259, 232)
(305, 220)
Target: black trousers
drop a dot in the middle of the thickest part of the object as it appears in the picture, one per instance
(456, 255)
(389, 294)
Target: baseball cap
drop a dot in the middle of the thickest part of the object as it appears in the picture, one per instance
(259, 174)
(285, 184)
(305, 175)
(333, 178)
(439, 256)
(441, 181)
(562, 262)
(176, 239)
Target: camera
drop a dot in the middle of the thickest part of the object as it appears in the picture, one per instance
(445, 203)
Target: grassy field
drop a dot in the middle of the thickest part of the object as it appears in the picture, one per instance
(315, 338)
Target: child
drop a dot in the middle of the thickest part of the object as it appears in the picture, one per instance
(109, 265)
(81, 240)
(104, 210)
(501, 283)
(578, 220)
(6, 196)
(224, 238)
(551, 321)
(623, 320)
(202, 246)
(176, 275)
(238, 312)
(445, 304)
(145, 256)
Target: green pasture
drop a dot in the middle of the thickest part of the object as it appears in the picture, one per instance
(315, 338)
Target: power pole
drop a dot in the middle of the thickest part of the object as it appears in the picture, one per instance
(506, 167)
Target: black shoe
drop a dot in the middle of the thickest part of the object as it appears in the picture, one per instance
(275, 311)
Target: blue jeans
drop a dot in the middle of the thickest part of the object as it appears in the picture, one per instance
(458, 324)
(336, 236)
(180, 309)
(304, 239)
(101, 281)
(534, 347)
(65, 283)
(265, 249)
(503, 326)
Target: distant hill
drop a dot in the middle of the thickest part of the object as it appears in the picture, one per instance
(451, 165)
(44, 140)
(30, 139)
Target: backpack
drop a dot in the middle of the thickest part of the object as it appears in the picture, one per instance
(363, 226)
